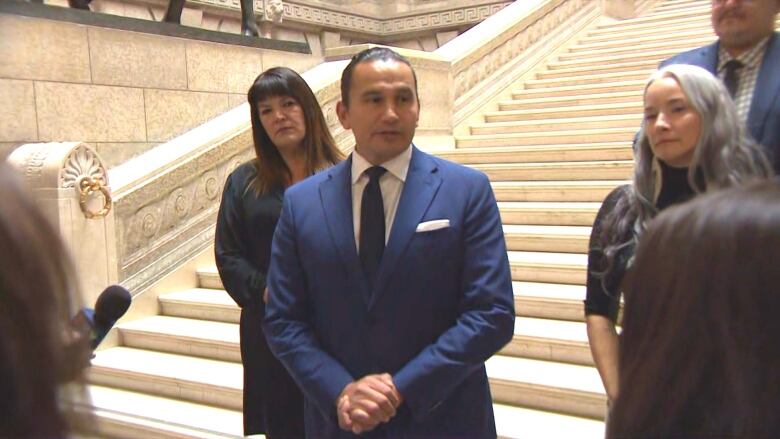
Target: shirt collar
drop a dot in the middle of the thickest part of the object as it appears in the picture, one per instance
(398, 165)
(750, 59)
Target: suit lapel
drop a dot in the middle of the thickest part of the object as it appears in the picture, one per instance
(767, 88)
(709, 58)
(420, 187)
(336, 197)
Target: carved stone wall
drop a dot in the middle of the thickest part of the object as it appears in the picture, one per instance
(171, 217)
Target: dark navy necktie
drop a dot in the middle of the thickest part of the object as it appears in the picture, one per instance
(372, 225)
(731, 78)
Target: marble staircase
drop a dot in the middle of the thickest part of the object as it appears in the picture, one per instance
(553, 149)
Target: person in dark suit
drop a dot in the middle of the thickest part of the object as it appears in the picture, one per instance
(291, 141)
(389, 281)
(746, 57)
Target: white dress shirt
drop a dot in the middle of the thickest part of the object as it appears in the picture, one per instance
(391, 183)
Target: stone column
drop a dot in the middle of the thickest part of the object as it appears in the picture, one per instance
(70, 184)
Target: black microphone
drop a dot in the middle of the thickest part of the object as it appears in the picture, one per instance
(112, 304)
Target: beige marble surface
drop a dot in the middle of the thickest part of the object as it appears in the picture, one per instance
(137, 60)
(221, 67)
(90, 113)
(31, 48)
(17, 111)
(169, 113)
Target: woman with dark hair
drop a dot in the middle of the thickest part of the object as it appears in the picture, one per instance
(291, 142)
(39, 351)
(699, 353)
(691, 142)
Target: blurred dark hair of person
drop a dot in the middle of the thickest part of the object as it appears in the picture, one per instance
(41, 356)
(700, 349)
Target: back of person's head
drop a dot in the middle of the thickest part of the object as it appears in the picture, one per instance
(37, 354)
(319, 148)
(371, 55)
(699, 351)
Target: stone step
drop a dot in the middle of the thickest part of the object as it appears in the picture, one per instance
(213, 304)
(568, 124)
(586, 110)
(549, 213)
(554, 190)
(596, 78)
(541, 114)
(178, 335)
(566, 388)
(549, 301)
(687, 9)
(549, 340)
(693, 33)
(583, 137)
(202, 303)
(558, 239)
(532, 299)
(521, 423)
(131, 415)
(661, 23)
(632, 48)
(631, 97)
(670, 5)
(636, 86)
(555, 72)
(126, 414)
(198, 380)
(540, 154)
(567, 340)
(560, 268)
(596, 57)
(595, 170)
(683, 25)
(545, 385)
(654, 56)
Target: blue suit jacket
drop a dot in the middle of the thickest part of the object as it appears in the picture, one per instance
(441, 306)
(764, 116)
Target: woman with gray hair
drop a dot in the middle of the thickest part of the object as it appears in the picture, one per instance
(691, 142)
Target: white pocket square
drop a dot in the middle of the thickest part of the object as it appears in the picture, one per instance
(430, 226)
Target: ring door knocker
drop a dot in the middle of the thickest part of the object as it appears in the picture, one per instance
(86, 187)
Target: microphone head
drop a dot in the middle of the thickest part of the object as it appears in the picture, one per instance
(112, 304)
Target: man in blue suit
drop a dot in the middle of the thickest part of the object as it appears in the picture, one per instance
(389, 280)
(747, 58)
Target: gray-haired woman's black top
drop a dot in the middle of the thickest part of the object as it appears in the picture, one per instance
(603, 292)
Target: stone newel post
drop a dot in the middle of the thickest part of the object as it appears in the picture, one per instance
(70, 184)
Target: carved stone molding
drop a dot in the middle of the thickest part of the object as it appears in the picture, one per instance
(273, 10)
(433, 20)
(58, 164)
(375, 26)
(172, 217)
(82, 161)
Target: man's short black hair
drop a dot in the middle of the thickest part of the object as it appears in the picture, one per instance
(370, 55)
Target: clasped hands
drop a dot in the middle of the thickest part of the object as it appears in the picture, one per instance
(364, 403)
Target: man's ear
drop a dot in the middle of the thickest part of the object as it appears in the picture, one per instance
(343, 114)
